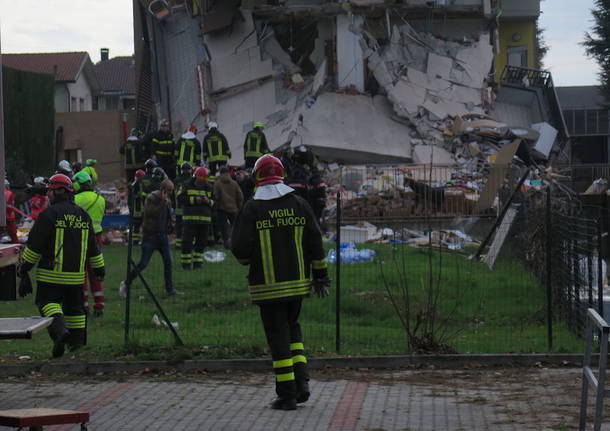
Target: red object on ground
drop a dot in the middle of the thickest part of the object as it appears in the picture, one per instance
(40, 417)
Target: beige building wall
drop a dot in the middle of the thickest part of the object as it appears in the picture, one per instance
(98, 135)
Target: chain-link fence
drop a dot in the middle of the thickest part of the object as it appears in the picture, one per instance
(418, 264)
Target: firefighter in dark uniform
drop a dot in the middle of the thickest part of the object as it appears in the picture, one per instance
(62, 242)
(216, 150)
(255, 145)
(297, 174)
(186, 172)
(162, 146)
(197, 201)
(188, 149)
(134, 153)
(136, 205)
(277, 234)
(317, 193)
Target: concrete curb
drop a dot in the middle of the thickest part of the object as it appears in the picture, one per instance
(258, 365)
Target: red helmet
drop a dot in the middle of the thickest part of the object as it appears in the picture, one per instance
(139, 174)
(193, 129)
(60, 181)
(201, 172)
(268, 170)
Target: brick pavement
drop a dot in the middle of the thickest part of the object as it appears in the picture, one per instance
(342, 400)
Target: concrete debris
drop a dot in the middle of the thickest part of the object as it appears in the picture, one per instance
(429, 79)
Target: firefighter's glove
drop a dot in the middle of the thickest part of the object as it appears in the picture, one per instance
(100, 273)
(321, 287)
(25, 286)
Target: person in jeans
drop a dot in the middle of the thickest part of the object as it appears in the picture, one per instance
(229, 200)
(156, 226)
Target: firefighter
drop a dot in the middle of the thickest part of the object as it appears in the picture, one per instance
(188, 149)
(61, 242)
(277, 235)
(161, 144)
(64, 167)
(90, 169)
(136, 203)
(317, 193)
(39, 200)
(11, 221)
(297, 174)
(146, 182)
(197, 200)
(95, 205)
(133, 151)
(186, 171)
(216, 150)
(255, 144)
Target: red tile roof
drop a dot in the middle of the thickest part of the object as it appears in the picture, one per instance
(117, 75)
(67, 64)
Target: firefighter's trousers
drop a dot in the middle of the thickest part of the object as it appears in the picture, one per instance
(65, 304)
(285, 340)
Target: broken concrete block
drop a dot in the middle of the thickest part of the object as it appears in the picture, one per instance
(409, 96)
(438, 66)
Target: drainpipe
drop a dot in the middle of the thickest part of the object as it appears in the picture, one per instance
(2, 171)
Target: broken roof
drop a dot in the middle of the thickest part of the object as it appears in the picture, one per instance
(117, 75)
(66, 66)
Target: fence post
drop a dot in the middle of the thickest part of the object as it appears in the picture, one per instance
(549, 290)
(129, 251)
(338, 276)
(600, 275)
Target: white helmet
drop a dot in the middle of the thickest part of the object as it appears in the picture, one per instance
(65, 165)
(6, 183)
(213, 125)
(39, 180)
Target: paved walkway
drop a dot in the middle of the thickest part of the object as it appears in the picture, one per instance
(365, 400)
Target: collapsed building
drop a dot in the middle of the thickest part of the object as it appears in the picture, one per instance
(359, 82)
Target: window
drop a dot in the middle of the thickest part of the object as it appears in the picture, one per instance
(73, 106)
(75, 155)
(517, 56)
(82, 104)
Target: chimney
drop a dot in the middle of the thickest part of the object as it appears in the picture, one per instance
(104, 53)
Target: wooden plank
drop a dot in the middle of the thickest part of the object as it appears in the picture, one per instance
(41, 416)
(500, 236)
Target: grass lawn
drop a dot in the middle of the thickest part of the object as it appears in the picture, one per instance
(499, 311)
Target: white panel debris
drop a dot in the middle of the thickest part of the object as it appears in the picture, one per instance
(350, 59)
(544, 144)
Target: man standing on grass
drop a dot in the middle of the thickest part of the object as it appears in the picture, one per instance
(156, 226)
(277, 234)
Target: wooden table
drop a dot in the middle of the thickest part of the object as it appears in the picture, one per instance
(35, 419)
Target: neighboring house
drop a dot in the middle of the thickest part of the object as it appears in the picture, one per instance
(517, 41)
(75, 79)
(117, 83)
(588, 122)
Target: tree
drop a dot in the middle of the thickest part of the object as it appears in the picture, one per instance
(597, 43)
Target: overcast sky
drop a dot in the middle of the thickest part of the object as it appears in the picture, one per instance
(88, 25)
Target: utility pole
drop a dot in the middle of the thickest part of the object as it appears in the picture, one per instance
(2, 170)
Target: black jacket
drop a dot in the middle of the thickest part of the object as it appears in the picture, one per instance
(281, 241)
(197, 202)
(62, 242)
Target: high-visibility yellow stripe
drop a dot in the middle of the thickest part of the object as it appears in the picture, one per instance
(297, 346)
(281, 294)
(282, 363)
(298, 243)
(58, 277)
(267, 255)
(319, 264)
(96, 261)
(31, 256)
(280, 285)
(299, 359)
(84, 240)
(286, 377)
(51, 308)
(58, 254)
(196, 218)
